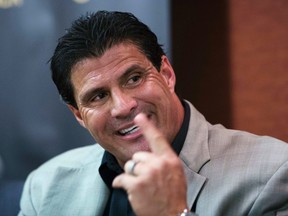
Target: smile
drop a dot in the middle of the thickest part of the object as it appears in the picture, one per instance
(129, 130)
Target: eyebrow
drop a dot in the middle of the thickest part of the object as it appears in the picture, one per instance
(131, 69)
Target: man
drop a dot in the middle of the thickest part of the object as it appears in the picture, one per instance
(155, 154)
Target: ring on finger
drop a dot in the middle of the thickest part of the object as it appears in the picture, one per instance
(131, 166)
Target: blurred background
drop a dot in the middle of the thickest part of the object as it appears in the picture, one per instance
(230, 59)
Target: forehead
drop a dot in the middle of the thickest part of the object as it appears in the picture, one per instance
(115, 60)
(112, 57)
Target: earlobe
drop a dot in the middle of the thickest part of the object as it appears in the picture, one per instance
(168, 73)
(77, 115)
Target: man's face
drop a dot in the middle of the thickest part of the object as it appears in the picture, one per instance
(111, 90)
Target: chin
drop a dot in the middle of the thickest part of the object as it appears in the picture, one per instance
(140, 146)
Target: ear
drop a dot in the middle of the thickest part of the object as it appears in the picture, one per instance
(77, 115)
(167, 73)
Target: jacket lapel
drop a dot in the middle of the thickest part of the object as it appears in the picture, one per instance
(195, 183)
(195, 154)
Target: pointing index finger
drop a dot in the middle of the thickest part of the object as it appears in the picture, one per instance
(157, 142)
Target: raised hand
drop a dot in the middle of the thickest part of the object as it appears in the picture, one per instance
(155, 181)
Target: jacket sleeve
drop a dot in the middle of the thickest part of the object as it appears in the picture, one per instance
(273, 199)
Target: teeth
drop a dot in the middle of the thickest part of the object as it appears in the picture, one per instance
(130, 130)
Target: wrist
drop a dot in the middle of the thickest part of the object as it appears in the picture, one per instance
(186, 212)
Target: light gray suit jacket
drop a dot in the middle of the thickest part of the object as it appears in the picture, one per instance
(229, 173)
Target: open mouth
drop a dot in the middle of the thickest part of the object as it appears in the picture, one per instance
(129, 130)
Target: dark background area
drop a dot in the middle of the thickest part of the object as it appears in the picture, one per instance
(201, 56)
(231, 60)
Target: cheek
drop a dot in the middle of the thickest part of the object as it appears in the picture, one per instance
(94, 120)
(157, 92)
(157, 85)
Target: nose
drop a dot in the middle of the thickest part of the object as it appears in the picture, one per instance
(123, 104)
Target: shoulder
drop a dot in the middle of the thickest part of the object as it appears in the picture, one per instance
(76, 158)
(259, 157)
(85, 159)
(51, 182)
(224, 141)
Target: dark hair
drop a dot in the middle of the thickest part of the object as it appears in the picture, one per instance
(91, 36)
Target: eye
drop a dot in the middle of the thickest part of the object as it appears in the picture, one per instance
(99, 96)
(133, 80)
